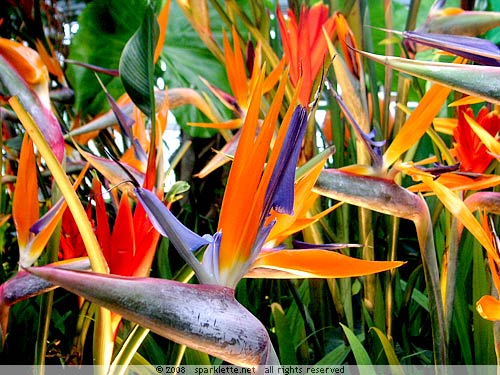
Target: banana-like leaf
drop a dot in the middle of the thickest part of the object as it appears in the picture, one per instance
(475, 80)
(136, 63)
(204, 317)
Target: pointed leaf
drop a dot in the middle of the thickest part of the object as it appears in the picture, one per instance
(286, 346)
(360, 353)
(136, 63)
(203, 317)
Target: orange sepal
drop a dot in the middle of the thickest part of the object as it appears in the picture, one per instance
(25, 60)
(314, 264)
(162, 22)
(50, 60)
(417, 124)
(25, 206)
(488, 307)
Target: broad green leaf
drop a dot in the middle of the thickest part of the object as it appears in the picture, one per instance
(286, 346)
(185, 63)
(476, 80)
(360, 353)
(105, 26)
(137, 66)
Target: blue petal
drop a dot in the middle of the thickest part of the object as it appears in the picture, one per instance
(211, 256)
(184, 240)
(167, 224)
(41, 223)
(280, 192)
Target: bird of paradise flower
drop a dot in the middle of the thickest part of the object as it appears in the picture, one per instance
(258, 187)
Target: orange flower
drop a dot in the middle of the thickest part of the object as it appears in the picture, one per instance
(305, 46)
(470, 151)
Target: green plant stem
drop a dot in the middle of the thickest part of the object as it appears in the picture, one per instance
(389, 198)
(46, 302)
(389, 311)
(127, 351)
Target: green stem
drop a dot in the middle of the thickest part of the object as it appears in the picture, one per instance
(128, 350)
(389, 198)
(47, 300)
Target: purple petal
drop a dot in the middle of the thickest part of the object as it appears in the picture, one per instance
(203, 317)
(126, 122)
(479, 50)
(280, 192)
(250, 60)
(47, 218)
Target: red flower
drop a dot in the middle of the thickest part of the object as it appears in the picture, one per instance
(470, 151)
(305, 46)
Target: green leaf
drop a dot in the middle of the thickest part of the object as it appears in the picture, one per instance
(336, 357)
(483, 329)
(137, 66)
(360, 353)
(105, 26)
(195, 357)
(185, 63)
(286, 347)
(389, 351)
